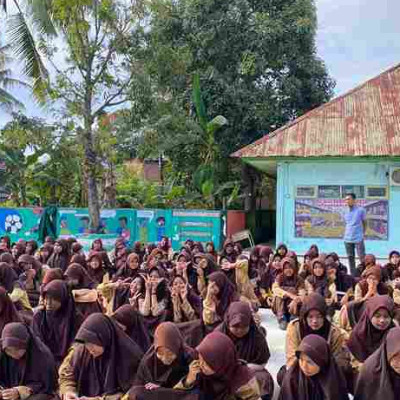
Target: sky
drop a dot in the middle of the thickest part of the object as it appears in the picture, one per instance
(357, 39)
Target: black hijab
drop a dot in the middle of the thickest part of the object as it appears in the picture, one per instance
(134, 325)
(328, 384)
(314, 302)
(36, 369)
(113, 371)
(153, 370)
(253, 347)
(57, 329)
(365, 338)
(377, 379)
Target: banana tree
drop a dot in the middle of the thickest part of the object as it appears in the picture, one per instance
(206, 176)
(18, 165)
(209, 151)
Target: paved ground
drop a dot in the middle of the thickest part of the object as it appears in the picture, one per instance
(276, 343)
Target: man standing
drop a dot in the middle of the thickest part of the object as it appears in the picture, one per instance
(355, 220)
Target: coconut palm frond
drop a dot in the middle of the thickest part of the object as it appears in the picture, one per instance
(24, 46)
(8, 102)
(12, 82)
(42, 16)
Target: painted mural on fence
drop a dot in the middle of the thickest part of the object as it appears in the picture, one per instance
(323, 218)
(113, 224)
(20, 222)
(144, 225)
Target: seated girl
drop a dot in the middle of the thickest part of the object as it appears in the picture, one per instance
(56, 325)
(206, 267)
(102, 362)
(15, 289)
(313, 321)
(130, 269)
(27, 367)
(318, 282)
(379, 376)
(83, 290)
(60, 257)
(370, 262)
(371, 329)
(220, 294)
(314, 373)
(8, 312)
(288, 291)
(218, 373)
(210, 249)
(228, 251)
(184, 267)
(165, 364)
(369, 287)
(31, 276)
(268, 278)
(186, 305)
(97, 249)
(282, 250)
(121, 292)
(393, 264)
(132, 323)
(250, 343)
(157, 306)
(95, 269)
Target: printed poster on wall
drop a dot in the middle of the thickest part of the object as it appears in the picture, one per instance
(323, 218)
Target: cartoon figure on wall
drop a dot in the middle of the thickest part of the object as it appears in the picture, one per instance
(64, 229)
(160, 228)
(123, 229)
(84, 225)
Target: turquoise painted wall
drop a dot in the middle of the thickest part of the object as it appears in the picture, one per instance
(326, 172)
(147, 225)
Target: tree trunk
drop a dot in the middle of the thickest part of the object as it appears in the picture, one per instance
(110, 187)
(90, 172)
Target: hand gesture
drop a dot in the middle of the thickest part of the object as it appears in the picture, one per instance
(151, 386)
(10, 394)
(194, 370)
(147, 282)
(184, 293)
(174, 294)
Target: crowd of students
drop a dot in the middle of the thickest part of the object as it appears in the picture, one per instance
(149, 323)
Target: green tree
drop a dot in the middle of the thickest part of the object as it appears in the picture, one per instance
(257, 62)
(94, 77)
(22, 142)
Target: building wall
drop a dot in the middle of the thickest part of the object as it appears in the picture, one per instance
(325, 172)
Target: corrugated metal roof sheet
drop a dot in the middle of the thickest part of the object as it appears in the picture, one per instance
(362, 122)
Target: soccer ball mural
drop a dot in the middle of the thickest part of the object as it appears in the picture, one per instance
(13, 223)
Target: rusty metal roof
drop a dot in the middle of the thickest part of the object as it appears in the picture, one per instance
(362, 122)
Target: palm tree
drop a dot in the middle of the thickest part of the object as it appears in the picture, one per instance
(32, 16)
(7, 100)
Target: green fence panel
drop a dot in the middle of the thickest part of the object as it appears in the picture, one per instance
(116, 223)
(152, 225)
(20, 223)
(199, 225)
(143, 225)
